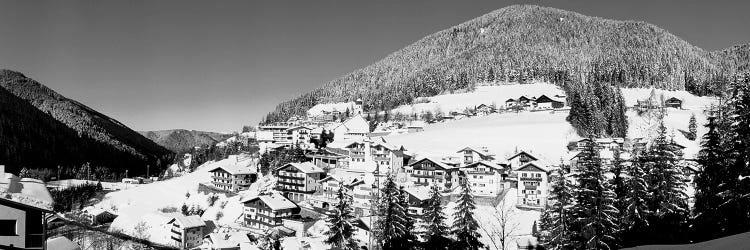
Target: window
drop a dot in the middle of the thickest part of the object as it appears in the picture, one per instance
(8, 228)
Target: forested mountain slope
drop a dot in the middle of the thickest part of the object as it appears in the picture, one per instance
(519, 43)
(182, 140)
(42, 128)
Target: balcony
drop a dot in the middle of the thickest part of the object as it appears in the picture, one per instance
(175, 231)
(426, 176)
(531, 178)
(481, 172)
(176, 238)
(291, 177)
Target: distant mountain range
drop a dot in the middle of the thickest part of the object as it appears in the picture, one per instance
(40, 128)
(182, 140)
(523, 42)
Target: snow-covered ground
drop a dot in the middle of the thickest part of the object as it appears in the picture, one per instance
(63, 184)
(486, 95)
(147, 203)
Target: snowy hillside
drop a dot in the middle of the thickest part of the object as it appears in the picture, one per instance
(487, 95)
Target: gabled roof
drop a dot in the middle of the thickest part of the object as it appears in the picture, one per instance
(61, 243)
(304, 167)
(524, 153)
(486, 164)
(227, 240)
(188, 221)
(510, 100)
(482, 106)
(436, 162)
(480, 152)
(298, 127)
(419, 192)
(671, 99)
(234, 169)
(273, 200)
(532, 166)
(356, 125)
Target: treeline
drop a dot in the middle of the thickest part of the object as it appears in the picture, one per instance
(42, 129)
(596, 108)
(84, 172)
(211, 152)
(642, 200)
(74, 197)
(521, 44)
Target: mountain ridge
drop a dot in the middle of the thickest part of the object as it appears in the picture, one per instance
(518, 43)
(183, 140)
(91, 128)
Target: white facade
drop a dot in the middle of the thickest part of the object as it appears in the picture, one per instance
(533, 185)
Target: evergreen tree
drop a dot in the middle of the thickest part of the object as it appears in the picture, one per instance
(392, 219)
(464, 225)
(737, 177)
(557, 219)
(666, 183)
(341, 231)
(435, 228)
(692, 128)
(595, 213)
(636, 213)
(708, 221)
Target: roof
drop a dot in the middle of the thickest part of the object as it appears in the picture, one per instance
(531, 165)
(298, 127)
(304, 167)
(480, 152)
(356, 125)
(510, 100)
(237, 168)
(671, 99)
(420, 192)
(61, 243)
(273, 200)
(28, 192)
(520, 153)
(227, 240)
(188, 221)
(437, 162)
(485, 163)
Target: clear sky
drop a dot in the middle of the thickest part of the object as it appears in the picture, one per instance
(216, 65)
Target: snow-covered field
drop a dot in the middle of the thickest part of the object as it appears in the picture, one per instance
(486, 95)
(63, 184)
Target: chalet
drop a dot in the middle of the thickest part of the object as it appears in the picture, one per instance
(519, 159)
(299, 224)
(486, 178)
(428, 172)
(673, 103)
(98, 216)
(234, 177)
(471, 155)
(386, 156)
(266, 211)
(544, 102)
(483, 109)
(418, 199)
(510, 103)
(298, 180)
(187, 231)
(24, 202)
(533, 184)
(329, 187)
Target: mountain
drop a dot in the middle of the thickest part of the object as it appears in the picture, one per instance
(182, 140)
(43, 129)
(523, 42)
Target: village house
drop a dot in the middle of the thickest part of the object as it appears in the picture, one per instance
(486, 178)
(298, 180)
(545, 102)
(298, 224)
(187, 231)
(418, 199)
(519, 159)
(354, 127)
(226, 241)
(484, 109)
(428, 172)
(511, 103)
(98, 216)
(673, 102)
(299, 136)
(533, 184)
(234, 178)
(266, 211)
(24, 202)
(329, 159)
(471, 155)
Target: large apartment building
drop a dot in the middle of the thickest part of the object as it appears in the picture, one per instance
(298, 180)
(486, 178)
(187, 231)
(533, 184)
(235, 177)
(428, 171)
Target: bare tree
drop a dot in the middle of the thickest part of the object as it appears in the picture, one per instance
(502, 229)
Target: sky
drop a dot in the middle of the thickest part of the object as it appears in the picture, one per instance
(219, 65)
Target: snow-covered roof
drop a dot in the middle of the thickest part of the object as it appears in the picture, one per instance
(61, 243)
(273, 200)
(239, 168)
(26, 191)
(521, 153)
(356, 125)
(305, 167)
(485, 163)
(433, 160)
(318, 109)
(534, 164)
(95, 211)
(188, 221)
(227, 240)
(483, 152)
(420, 192)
